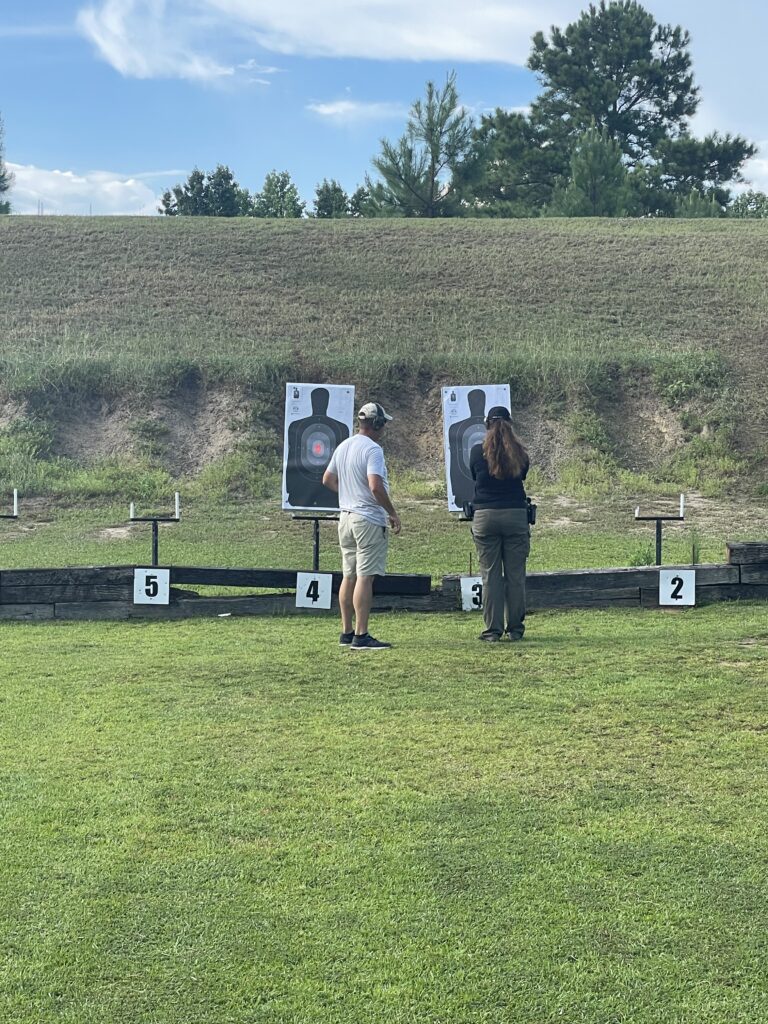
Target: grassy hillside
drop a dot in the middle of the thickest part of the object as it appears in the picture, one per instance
(606, 330)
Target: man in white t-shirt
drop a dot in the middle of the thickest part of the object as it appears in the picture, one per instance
(358, 472)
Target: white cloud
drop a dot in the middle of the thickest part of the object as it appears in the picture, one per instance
(756, 169)
(354, 112)
(140, 39)
(146, 38)
(99, 192)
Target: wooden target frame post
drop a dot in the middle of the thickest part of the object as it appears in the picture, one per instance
(658, 520)
(15, 513)
(156, 520)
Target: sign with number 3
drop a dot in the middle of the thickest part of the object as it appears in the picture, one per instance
(471, 593)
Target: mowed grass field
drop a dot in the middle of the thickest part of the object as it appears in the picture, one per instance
(116, 302)
(236, 821)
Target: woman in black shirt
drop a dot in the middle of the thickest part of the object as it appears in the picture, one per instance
(500, 526)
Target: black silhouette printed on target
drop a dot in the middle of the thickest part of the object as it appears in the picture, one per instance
(311, 443)
(462, 437)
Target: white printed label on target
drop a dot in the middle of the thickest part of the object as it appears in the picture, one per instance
(677, 588)
(151, 586)
(471, 593)
(313, 589)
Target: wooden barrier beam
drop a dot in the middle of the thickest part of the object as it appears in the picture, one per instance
(754, 572)
(745, 552)
(619, 579)
(392, 583)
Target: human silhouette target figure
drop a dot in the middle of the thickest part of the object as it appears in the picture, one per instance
(464, 410)
(310, 443)
(462, 437)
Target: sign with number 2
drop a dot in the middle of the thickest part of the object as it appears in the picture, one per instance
(677, 588)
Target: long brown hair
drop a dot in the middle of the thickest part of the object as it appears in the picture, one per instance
(503, 450)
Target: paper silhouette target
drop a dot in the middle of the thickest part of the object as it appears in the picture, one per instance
(318, 417)
(464, 412)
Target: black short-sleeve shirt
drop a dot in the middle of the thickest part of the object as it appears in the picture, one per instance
(490, 492)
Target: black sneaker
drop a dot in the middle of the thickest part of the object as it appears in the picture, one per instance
(366, 642)
(345, 639)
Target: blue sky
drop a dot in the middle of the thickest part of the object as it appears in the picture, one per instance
(108, 102)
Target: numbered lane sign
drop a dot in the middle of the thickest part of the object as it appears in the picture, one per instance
(313, 589)
(151, 586)
(471, 593)
(677, 587)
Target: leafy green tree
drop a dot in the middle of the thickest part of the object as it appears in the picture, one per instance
(599, 182)
(224, 196)
(214, 195)
(279, 197)
(331, 201)
(750, 205)
(417, 172)
(6, 178)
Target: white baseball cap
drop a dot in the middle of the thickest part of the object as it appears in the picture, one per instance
(373, 411)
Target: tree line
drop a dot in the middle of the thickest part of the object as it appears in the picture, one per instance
(608, 135)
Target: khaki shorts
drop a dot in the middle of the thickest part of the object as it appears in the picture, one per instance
(363, 545)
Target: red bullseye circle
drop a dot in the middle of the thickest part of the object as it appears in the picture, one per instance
(317, 448)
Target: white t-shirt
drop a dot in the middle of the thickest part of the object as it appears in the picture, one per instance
(352, 462)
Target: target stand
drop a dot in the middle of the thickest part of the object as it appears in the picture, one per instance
(315, 520)
(658, 520)
(155, 520)
(15, 513)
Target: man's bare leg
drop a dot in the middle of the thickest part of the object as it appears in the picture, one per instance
(363, 599)
(346, 603)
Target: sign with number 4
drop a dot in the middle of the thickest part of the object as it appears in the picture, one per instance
(471, 593)
(313, 589)
(151, 586)
(677, 588)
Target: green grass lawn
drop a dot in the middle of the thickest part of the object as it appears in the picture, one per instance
(236, 821)
(141, 302)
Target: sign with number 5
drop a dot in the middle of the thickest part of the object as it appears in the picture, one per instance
(151, 586)
(313, 589)
(677, 588)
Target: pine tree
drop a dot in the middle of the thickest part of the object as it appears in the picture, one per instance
(417, 172)
(599, 183)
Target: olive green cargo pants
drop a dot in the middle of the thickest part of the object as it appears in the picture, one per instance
(503, 540)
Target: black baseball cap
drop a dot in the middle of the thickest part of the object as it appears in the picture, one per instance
(498, 412)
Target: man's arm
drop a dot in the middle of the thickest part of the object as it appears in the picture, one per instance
(331, 481)
(379, 491)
